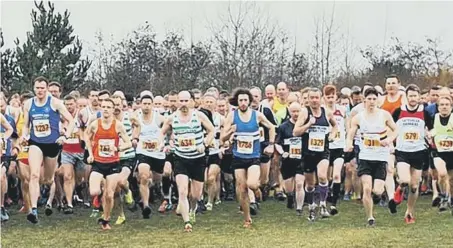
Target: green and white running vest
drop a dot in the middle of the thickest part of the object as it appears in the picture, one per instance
(188, 136)
(129, 153)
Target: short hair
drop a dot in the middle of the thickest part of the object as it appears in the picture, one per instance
(25, 96)
(343, 96)
(172, 93)
(146, 97)
(110, 100)
(371, 91)
(55, 83)
(329, 89)
(445, 97)
(69, 97)
(195, 91)
(314, 89)
(393, 76)
(224, 94)
(435, 87)
(166, 97)
(412, 87)
(41, 79)
(425, 91)
(304, 90)
(104, 92)
(75, 93)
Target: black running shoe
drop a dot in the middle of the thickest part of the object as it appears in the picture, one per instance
(333, 210)
(48, 210)
(371, 223)
(146, 212)
(68, 210)
(392, 206)
(290, 202)
(33, 216)
(436, 202)
(253, 208)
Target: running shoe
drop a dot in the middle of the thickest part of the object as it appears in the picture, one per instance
(247, 224)
(347, 197)
(48, 211)
(333, 210)
(33, 216)
(392, 206)
(253, 208)
(4, 215)
(128, 197)
(209, 206)
(443, 206)
(121, 220)
(188, 227)
(311, 215)
(299, 212)
(192, 217)
(324, 212)
(163, 206)
(218, 202)
(146, 212)
(68, 210)
(436, 201)
(398, 195)
(371, 222)
(409, 219)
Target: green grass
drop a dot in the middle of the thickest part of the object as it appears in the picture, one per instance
(275, 226)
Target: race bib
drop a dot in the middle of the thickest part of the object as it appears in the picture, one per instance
(73, 139)
(261, 134)
(104, 148)
(187, 142)
(24, 146)
(295, 148)
(411, 136)
(371, 141)
(150, 145)
(444, 143)
(337, 135)
(41, 128)
(245, 144)
(316, 142)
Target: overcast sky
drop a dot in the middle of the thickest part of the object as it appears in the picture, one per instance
(369, 23)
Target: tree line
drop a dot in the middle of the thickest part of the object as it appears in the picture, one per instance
(246, 48)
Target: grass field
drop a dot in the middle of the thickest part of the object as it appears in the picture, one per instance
(275, 226)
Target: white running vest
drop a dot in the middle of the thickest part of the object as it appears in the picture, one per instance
(340, 136)
(411, 130)
(148, 140)
(372, 131)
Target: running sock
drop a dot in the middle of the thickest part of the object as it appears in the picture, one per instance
(323, 191)
(166, 184)
(309, 196)
(335, 193)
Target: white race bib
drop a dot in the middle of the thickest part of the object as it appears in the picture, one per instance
(41, 128)
(104, 147)
(187, 142)
(74, 138)
(149, 145)
(371, 141)
(316, 141)
(244, 144)
(411, 136)
(444, 143)
(295, 148)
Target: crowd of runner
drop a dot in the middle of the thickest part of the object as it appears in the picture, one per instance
(190, 150)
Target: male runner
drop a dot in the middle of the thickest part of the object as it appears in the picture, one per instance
(442, 133)
(336, 147)
(71, 156)
(103, 148)
(150, 160)
(313, 125)
(189, 160)
(244, 124)
(42, 117)
(411, 120)
(393, 100)
(291, 169)
(8, 151)
(376, 138)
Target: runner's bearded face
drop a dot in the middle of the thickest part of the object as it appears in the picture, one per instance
(118, 106)
(173, 101)
(184, 104)
(413, 98)
(444, 106)
(243, 102)
(40, 89)
(94, 98)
